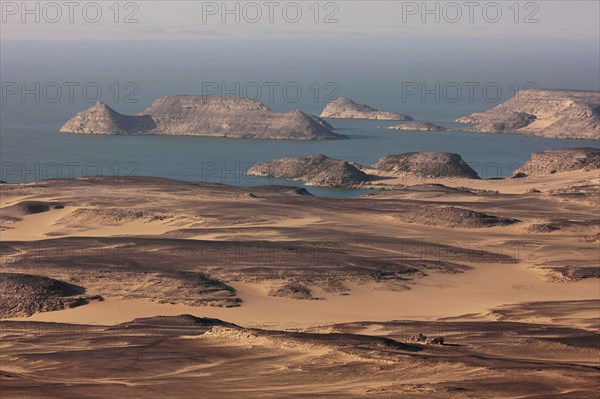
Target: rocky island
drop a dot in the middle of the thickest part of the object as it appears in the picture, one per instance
(426, 164)
(344, 108)
(568, 114)
(419, 126)
(203, 116)
(560, 160)
(317, 170)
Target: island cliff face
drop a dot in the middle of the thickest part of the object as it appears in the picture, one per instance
(344, 108)
(426, 164)
(203, 116)
(560, 160)
(101, 119)
(569, 114)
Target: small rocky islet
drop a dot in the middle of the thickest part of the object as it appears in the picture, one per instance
(344, 108)
(419, 127)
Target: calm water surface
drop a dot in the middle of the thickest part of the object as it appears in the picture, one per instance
(41, 152)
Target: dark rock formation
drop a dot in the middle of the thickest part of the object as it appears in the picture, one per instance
(344, 108)
(542, 228)
(13, 213)
(317, 170)
(24, 208)
(291, 290)
(209, 291)
(26, 294)
(203, 116)
(435, 341)
(548, 113)
(426, 164)
(452, 217)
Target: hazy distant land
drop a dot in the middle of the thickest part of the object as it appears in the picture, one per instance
(546, 113)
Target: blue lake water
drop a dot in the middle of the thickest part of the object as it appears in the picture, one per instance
(31, 148)
(36, 153)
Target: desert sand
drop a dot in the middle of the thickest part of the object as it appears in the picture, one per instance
(270, 292)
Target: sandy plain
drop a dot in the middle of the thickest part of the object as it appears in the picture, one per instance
(289, 295)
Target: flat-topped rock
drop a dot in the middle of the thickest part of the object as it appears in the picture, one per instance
(560, 160)
(419, 126)
(344, 108)
(547, 113)
(203, 116)
(426, 164)
(317, 170)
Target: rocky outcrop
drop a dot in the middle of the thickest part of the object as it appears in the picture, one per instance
(344, 108)
(541, 228)
(423, 339)
(419, 126)
(452, 217)
(547, 113)
(291, 290)
(317, 170)
(560, 160)
(592, 238)
(203, 116)
(26, 294)
(427, 165)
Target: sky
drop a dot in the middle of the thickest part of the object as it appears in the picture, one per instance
(365, 50)
(218, 20)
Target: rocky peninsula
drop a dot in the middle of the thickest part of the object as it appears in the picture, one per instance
(203, 116)
(560, 160)
(344, 108)
(567, 114)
